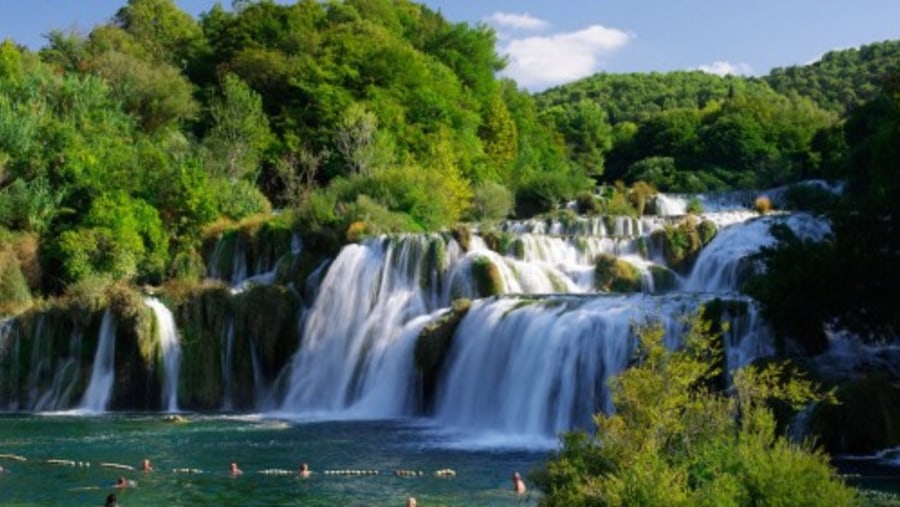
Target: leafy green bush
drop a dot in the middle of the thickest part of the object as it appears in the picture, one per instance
(491, 201)
(674, 440)
(239, 199)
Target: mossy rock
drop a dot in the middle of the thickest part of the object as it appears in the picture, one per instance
(487, 277)
(498, 241)
(664, 279)
(267, 316)
(463, 235)
(615, 275)
(707, 231)
(202, 314)
(682, 243)
(434, 264)
(865, 419)
(432, 345)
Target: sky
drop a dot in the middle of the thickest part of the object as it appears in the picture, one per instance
(551, 42)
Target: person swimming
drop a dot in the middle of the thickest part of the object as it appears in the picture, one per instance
(235, 471)
(111, 501)
(304, 470)
(518, 483)
(147, 466)
(125, 483)
(411, 502)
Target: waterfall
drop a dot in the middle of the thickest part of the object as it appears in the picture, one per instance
(171, 352)
(96, 398)
(368, 296)
(723, 264)
(538, 366)
(228, 402)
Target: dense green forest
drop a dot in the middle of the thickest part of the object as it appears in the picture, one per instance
(123, 149)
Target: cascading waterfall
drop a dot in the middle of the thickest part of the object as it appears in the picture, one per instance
(171, 352)
(227, 361)
(99, 390)
(538, 366)
(524, 365)
(368, 296)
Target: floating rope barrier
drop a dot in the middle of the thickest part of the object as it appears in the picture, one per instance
(351, 472)
(277, 471)
(445, 472)
(119, 466)
(187, 471)
(61, 462)
(408, 473)
(14, 457)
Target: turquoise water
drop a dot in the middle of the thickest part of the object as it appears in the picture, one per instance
(210, 444)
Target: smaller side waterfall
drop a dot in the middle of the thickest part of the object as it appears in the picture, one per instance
(96, 398)
(171, 352)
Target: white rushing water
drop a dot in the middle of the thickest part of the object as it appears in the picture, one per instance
(170, 347)
(96, 398)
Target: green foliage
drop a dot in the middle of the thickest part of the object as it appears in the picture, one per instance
(120, 237)
(809, 197)
(673, 440)
(14, 291)
(682, 242)
(694, 206)
(841, 79)
(240, 131)
(866, 418)
(238, 199)
(29, 206)
(795, 292)
(490, 201)
(612, 274)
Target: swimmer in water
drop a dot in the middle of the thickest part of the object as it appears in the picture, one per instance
(235, 471)
(146, 466)
(111, 501)
(518, 483)
(125, 483)
(304, 470)
(411, 502)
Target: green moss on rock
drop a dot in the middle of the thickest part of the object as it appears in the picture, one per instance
(615, 275)
(433, 343)
(487, 277)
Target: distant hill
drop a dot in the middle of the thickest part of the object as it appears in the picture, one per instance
(842, 78)
(636, 96)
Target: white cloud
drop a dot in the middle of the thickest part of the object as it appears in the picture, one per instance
(517, 21)
(537, 62)
(722, 68)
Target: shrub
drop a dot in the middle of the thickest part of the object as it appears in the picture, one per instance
(586, 203)
(694, 206)
(762, 205)
(674, 440)
(615, 275)
(491, 201)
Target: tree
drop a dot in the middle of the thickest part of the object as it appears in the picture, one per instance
(240, 131)
(675, 440)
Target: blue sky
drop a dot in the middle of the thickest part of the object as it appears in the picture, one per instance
(551, 42)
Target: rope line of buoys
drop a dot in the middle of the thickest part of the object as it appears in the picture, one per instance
(399, 472)
(118, 466)
(277, 471)
(408, 473)
(351, 472)
(65, 462)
